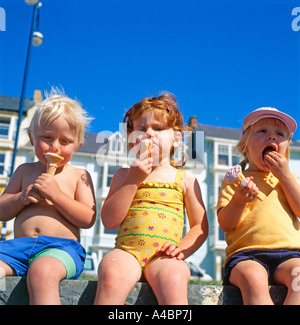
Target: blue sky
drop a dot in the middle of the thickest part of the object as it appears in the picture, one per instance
(222, 59)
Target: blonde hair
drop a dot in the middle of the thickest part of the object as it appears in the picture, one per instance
(165, 108)
(245, 138)
(56, 104)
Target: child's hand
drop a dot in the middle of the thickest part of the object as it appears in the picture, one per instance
(141, 167)
(246, 193)
(47, 185)
(31, 195)
(171, 250)
(278, 164)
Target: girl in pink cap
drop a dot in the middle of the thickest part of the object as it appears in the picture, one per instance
(260, 216)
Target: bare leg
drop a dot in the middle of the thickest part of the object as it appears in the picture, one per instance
(288, 274)
(118, 272)
(169, 279)
(6, 270)
(252, 279)
(43, 279)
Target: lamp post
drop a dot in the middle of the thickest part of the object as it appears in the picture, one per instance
(35, 38)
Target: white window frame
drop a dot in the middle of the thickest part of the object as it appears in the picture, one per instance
(100, 232)
(7, 163)
(230, 147)
(116, 143)
(11, 126)
(4, 164)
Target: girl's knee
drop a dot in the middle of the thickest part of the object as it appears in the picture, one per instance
(176, 279)
(173, 274)
(288, 274)
(250, 274)
(110, 276)
(108, 273)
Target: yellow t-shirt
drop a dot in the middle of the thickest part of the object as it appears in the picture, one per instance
(265, 224)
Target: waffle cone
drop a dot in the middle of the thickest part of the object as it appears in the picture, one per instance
(240, 177)
(146, 146)
(52, 162)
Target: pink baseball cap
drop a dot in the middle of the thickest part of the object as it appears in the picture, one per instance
(267, 112)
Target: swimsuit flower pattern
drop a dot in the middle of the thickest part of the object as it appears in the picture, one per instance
(155, 216)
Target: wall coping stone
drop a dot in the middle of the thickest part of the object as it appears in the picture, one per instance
(13, 291)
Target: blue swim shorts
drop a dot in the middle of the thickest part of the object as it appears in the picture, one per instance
(18, 253)
(268, 258)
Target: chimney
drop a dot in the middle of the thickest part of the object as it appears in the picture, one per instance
(37, 96)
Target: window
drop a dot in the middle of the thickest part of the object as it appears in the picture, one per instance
(116, 144)
(111, 231)
(236, 157)
(2, 163)
(4, 126)
(223, 157)
(110, 173)
(100, 230)
(220, 180)
(219, 235)
(100, 177)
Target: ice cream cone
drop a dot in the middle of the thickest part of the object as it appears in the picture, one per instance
(52, 162)
(146, 146)
(235, 174)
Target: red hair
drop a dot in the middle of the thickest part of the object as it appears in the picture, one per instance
(165, 109)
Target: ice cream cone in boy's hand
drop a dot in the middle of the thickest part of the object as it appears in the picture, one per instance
(146, 146)
(52, 162)
(235, 174)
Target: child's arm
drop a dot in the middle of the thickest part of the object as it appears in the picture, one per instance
(13, 200)
(80, 210)
(198, 232)
(230, 215)
(122, 191)
(279, 166)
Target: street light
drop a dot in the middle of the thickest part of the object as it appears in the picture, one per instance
(32, 2)
(35, 38)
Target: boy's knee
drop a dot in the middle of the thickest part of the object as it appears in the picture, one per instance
(46, 271)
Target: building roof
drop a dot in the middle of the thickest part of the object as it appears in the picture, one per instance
(93, 142)
(228, 133)
(11, 104)
(219, 132)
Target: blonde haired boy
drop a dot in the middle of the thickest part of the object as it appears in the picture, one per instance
(49, 210)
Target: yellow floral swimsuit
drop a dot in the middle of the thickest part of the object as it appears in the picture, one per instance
(156, 215)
